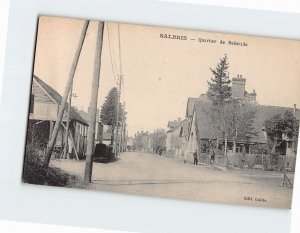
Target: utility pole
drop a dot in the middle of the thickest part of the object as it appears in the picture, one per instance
(65, 96)
(93, 105)
(66, 148)
(117, 120)
(122, 130)
(119, 93)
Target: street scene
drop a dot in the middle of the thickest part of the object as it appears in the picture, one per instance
(163, 112)
(149, 174)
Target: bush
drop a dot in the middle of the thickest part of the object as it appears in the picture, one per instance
(35, 173)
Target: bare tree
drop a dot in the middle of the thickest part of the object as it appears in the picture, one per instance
(238, 121)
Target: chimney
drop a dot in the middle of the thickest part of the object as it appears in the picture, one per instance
(179, 119)
(238, 87)
(295, 108)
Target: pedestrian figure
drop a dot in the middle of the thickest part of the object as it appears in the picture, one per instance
(195, 158)
(212, 157)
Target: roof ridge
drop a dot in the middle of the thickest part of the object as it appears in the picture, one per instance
(58, 98)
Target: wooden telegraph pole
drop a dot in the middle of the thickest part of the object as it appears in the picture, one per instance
(116, 147)
(93, 105)
(66, 147)
(65, 96)
(122, 131)
(117, 120)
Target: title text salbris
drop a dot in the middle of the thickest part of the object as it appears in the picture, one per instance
(204, 40)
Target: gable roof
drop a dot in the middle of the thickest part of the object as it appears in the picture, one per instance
(263, 112)
(175, 125)
(190, 106)
(57, 98)
(185, 126)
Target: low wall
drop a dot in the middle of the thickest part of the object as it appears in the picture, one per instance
(266, 162)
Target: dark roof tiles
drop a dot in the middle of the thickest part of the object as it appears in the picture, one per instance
(263, 112)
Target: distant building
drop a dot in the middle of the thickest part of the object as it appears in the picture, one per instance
(130, 144)
(176, 137)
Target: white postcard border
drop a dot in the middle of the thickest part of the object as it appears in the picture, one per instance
(109, 210)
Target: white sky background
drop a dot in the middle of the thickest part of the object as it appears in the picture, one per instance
(160, 74)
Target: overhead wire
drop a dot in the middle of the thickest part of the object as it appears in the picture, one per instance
(111, 54)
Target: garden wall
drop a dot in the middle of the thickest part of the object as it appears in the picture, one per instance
(263, 161)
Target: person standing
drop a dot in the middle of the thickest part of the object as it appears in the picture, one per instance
(195, 158)
(212, 157)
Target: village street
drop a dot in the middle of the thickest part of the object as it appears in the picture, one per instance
(150, 174)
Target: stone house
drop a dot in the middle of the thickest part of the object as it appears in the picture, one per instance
(202, 134)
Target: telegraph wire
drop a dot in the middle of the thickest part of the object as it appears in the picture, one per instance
(111, 54)
(120, 56)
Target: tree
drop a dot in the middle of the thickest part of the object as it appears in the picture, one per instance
(141, 141)
(219, 92)
(238, 121)
(158, 140)
(108, 114)
(218, 89)
(280, 127)
(176, 142)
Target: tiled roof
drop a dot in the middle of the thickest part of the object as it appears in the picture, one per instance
(190, 106)
(192, 101)
(185, 125)
(57, 97)
(263, 112)
(85, 116)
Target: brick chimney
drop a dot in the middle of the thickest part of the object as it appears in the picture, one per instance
(238, 87)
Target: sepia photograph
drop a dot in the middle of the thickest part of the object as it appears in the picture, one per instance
(163, 112)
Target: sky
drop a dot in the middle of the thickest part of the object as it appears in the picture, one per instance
(161, 73)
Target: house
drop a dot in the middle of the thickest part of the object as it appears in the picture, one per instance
(238, 91)
(202, 131)
(177, 137)
(202, 134)
(44, 106)
(98, 127)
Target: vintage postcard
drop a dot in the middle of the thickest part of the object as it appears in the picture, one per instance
(163, 112)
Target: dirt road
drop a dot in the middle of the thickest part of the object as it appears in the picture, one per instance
(150, 174)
